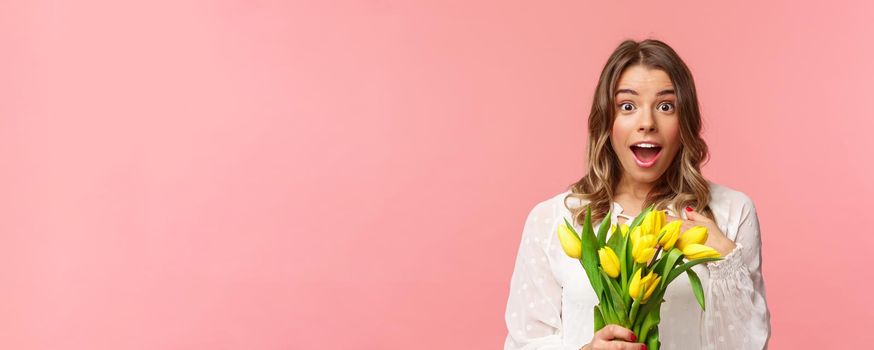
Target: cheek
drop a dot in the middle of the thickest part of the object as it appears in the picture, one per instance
(671, 133)
(672, 136)
(619, 132)
(617, 140)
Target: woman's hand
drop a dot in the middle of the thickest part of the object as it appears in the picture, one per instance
(614, 336)
(715, 238)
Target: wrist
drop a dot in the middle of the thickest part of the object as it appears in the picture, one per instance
(724, 246)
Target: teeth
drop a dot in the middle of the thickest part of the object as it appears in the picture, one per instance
(646, 145)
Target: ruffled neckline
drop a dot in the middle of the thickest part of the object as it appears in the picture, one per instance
(617, 212)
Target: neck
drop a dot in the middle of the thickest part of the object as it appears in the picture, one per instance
(633, 189)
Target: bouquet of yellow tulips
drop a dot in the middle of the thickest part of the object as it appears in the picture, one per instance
(630, 272)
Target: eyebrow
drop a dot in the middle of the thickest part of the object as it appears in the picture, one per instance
(660, 93)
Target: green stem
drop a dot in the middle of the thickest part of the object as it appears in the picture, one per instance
(655, 258)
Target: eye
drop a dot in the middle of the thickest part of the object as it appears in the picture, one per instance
(666, 104)
(626, 104)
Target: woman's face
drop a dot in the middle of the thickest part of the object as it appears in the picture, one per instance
(645, 106)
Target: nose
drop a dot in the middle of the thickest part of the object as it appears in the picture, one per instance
(647, 122)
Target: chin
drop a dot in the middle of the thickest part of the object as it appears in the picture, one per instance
(649, 175)
(647, 178)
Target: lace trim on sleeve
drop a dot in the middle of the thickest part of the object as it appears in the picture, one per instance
(729, 265)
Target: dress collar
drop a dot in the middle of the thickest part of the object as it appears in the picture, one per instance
(617, 212)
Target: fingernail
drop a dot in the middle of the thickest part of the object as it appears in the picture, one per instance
(688, 208)
(644, 347)
(633, 337)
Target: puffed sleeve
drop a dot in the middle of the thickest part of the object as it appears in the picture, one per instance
(737, 315)
(533, 314)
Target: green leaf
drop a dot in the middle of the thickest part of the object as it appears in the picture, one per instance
(599, 318)
(602, 230)
(596, 286)
(654, 301)
(652, 341)
(616, 298)
(629, 259)
(651, 320)
(696, 287)
(635, 306)
(677, 271)
(589, 257)
(674, 255)
(624, 267)
(617, 316)
(660, 262)
(615, 240)
(608, 310)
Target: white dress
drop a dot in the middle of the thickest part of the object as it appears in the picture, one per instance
(550, 301)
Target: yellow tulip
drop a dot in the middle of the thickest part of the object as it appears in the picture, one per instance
(635, 234)
(670, 234)
(659, 219)
(653, 222)
(645, 226)
(570, 241)
(623, 229)
(609, 261)
(638, 232)
(644, 248)
(648, 284)
(694, 235)
(698, 251)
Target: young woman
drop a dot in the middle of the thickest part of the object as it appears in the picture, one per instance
(644, 148)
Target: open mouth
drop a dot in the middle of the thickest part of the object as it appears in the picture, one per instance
(646, 156)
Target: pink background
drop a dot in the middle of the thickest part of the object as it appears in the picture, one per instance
(266, 175)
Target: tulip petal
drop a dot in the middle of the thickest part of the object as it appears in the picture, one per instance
(634, 285)
(609, 261)
(698, 251)
(652, 285)
(670, 234)
(694, 235)
(570, 241)
(658, 221)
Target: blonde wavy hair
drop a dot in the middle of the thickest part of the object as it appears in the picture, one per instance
(682, 183)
